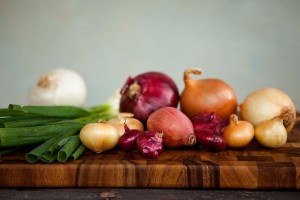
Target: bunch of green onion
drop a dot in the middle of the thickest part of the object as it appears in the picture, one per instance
(49, 133)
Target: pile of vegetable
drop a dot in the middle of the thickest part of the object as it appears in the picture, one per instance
(152, 116)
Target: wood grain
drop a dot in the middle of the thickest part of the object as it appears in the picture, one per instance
(253, 167)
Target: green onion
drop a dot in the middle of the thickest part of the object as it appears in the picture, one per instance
(51, 111)
(68, 148)
(77, 153)
(52, 131)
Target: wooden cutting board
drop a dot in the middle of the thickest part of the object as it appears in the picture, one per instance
(253, 167)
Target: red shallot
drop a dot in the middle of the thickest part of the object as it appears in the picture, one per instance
(149, 143)
(148, 92)
(208, 128)
(127, 142)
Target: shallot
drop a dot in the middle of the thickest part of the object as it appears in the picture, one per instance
(208, 129)
(149, 143)
(127, 142)
(176, 126)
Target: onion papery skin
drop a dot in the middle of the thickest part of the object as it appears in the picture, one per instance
(207, 95)
(148, 92)
(210, 140)
(176, 126)
(266, 103)
(149, 144)
(206, 120)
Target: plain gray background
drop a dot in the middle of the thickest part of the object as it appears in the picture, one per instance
(248, 43)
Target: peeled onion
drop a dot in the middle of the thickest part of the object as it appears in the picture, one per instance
(207, 95)
(58, 87)
(176, 127)
(266, 103)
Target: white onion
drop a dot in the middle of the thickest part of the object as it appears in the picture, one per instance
(58, 87)
(267, 103)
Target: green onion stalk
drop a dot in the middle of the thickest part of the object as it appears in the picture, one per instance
(48, 133)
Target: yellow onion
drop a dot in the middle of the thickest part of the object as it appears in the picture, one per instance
(99, 137)
(266, 103)
(271, 133)
(128, 118)
(238, 133)
(207, 95)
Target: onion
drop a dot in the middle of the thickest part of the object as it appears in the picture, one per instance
(58, 87)
(208, 129)
(99, 137)
(148, 92)
(149, 144)
(206, 120)
(207, 95)
(209, 140)
(266, 103)
(271, 133)
(127, 118)
(176, 127)
(238, 133)
(127, 142)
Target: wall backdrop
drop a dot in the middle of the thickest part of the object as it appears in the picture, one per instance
(249, 44)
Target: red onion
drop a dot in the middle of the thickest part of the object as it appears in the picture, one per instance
(208, 128)
(206, 120)
(176, 126)
(148, 92)
(127, 142)
(149, 144)
(209, 140)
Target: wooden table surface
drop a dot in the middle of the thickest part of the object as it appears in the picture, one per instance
(250, 173)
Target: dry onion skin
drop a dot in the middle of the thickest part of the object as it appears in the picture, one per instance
(266, 103)
(207, 95)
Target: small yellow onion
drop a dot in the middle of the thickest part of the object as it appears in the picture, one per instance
(271, 133)
(266, 103)
(127, 118)
(99, 137)
(238, 133)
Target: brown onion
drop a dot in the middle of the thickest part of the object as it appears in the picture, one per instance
(207, 95)
(176, 127)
